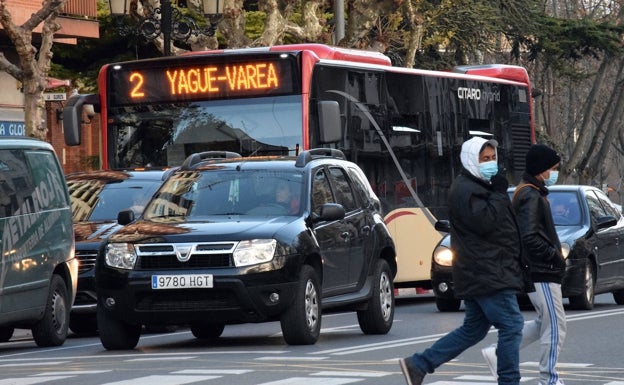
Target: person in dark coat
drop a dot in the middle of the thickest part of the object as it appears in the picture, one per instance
(487, 267)
(541, 245)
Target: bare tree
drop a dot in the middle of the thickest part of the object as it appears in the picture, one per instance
(580, 109)
(34, 62)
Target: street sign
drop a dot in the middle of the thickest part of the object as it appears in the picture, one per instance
(10, 128)
(54, 97)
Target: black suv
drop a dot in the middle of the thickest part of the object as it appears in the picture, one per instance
(236, 240)
(96, 198)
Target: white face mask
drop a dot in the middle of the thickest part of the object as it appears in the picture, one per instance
(552, 179)
(488, 169)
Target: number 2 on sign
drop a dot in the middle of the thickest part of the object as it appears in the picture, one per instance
(136, 92)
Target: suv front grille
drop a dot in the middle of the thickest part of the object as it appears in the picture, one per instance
(87, 260)
(185, 256)
(195, 262)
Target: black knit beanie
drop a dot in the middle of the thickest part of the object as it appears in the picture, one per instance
(540, 158)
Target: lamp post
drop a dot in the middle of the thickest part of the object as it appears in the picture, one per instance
(168, 21)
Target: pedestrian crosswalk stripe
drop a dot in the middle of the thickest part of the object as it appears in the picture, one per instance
(71, 373)
(462, 383)
(559, 364)
(291, 358)
(34, 363)
(476, 378)
(351, 374)
(161, 358)
(31, 380)
(313, 381)
(469, 377)
(162, 380)
(212, 371)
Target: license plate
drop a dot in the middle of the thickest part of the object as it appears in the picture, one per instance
(182, 281)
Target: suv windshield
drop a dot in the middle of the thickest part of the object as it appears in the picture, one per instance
(195, 194)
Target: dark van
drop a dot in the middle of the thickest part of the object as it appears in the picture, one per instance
(38, 270)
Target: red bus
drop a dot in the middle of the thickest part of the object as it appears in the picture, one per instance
(404, 127)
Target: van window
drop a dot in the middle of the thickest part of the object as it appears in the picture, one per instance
(29, 182)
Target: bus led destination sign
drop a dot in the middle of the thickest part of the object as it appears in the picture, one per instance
(257, 76)
(201, 81)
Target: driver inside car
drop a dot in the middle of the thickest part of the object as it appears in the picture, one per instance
(560, 209)
(284, 196)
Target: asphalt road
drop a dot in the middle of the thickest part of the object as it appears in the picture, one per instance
(255, 354)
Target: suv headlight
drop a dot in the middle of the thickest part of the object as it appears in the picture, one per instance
(254, 251)
(120, 255)
(443, 256)
(565, 250)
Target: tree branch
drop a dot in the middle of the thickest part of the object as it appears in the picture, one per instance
(41, 15)
(10, 68)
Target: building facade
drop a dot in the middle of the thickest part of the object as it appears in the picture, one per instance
(78, 19)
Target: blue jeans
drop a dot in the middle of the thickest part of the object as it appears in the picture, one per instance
(499, 310)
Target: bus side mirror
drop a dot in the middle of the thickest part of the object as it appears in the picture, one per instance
(72, 117)
(330, 130)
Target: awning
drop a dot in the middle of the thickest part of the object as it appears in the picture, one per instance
(56, 83)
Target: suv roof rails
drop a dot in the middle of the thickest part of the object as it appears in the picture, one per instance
(197, 157)
(169, 171)
(306, 156)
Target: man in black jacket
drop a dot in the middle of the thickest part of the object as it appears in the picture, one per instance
(541, 243)
(487, 272)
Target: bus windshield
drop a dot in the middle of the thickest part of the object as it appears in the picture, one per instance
(165, 134)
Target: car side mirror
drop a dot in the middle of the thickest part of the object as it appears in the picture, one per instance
(330, 212)
(605, 222)
(125, 216)
(443, 225)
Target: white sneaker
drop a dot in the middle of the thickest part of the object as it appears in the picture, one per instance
(489, 354)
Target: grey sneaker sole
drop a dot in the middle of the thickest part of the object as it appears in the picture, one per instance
(405, 371)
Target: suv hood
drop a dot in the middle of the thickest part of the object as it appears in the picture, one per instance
(94, 231)
(214, 229)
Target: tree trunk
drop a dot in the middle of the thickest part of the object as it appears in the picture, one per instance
(613, 125)
(587, 127)
(34, 63)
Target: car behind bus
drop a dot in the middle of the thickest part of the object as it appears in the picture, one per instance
(589, 227)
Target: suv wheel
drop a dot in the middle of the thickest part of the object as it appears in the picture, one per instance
(618, 296)
(585, 301)
(114, 334)
(448, 305)
(6, 333)
(207, 331)
(379, 313)
(51, 330)
(301, 323)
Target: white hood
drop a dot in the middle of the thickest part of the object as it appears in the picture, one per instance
(470, 154)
